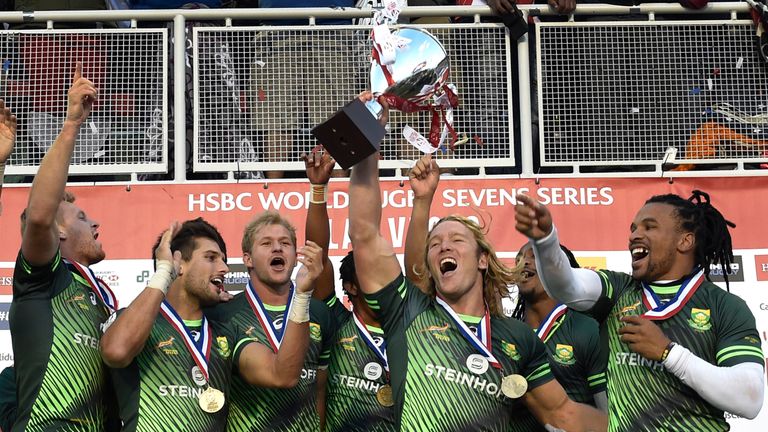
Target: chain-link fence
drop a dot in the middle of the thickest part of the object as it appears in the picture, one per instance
(622, 93)
(127, 129)
(260, 91)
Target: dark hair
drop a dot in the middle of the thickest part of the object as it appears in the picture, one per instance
(185, 240)
(519, 312)
(709, 227)
(347, 269)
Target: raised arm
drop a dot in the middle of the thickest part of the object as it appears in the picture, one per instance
(40, 239)
(551, 406)
(319, 167)
(578, 288)
(258, 364)
(125, 335)
(423, 178)
(375, 261)
(7, 140)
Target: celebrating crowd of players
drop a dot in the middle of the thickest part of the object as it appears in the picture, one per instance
(428, 349)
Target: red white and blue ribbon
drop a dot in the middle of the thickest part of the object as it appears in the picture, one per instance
(658, 310)
(98, 286)
(548, 323)
(380, 351)
(481, 341)
(200, 349)
(274, 335)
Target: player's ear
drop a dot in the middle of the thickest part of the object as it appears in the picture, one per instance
(482, 261)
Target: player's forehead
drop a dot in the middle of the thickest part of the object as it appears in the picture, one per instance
(205, 245)
(450, 228)
(660, 213)
(525, 252)
(272, 231)
(70, 210)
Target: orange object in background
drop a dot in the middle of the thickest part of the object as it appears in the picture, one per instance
(704, 143)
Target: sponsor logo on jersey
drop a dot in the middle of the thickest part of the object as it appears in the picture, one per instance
(510, 350)
(167, 347)
(700, 319)
(474, 382)
(347, 343)
(635, 359)
(223, 346)
(86, 340)
(79, 300)
(752, 339)
(251, 332)
(564, 354)
(438, 332)
(355, 383)
(628, 310)
(314, 332)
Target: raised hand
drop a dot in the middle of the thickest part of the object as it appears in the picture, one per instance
(163, 251)
(311, 258)
(7, 132)
(562, 6)
(532, 219)
(502, 6)
(319, 167)
(81, 96)
(367, 95)
(424, 177)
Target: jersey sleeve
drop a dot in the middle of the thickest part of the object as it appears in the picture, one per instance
(737, 338)
(38, 281)
(397, 304)
(7, 398)
(613, 284)
(595, 353)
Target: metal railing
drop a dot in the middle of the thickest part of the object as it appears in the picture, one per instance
(614, 94)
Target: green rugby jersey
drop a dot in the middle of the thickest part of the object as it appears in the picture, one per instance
(54, 318)
(258, 408)
(355, 374)
(159, 390)
(642, 395)
(577, 357)
(434, 387)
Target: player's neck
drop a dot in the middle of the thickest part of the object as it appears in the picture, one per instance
(363, 312)
(468, 304)
(188, 307)
(538, 309)
(272, 295)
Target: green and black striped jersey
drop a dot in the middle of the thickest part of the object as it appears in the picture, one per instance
(577, 357)
(642, 395)
(159, 390)
(355, 374)
(61, 381)
(440, 382)
(258, 409)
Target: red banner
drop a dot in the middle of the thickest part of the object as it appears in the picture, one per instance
(591, 214)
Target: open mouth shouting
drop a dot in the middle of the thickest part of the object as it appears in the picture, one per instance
(218, 283)
(639, 255)
(448, 266)
(277, 263)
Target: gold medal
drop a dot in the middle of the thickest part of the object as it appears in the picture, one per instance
(211, 400)
(384, 396)
(514, 386)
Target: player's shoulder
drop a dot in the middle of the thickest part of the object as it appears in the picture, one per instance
(226, 311)
(581, 321)
(719, 298)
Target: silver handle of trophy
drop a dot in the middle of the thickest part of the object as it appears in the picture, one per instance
(374, 107)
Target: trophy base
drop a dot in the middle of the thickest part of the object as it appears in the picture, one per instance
(350, 135)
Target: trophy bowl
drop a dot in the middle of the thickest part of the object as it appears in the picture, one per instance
(421, 68)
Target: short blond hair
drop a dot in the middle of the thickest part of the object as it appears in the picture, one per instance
(265, 219)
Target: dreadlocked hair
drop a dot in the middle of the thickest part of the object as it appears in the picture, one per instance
(709, 227)
(496, 277)
(519, 312)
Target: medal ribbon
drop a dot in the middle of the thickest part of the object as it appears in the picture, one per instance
(97, 285)
(548, 323)
(381, 353)
(275, 336)
(201, 350)
(483, 343)
(661, 311)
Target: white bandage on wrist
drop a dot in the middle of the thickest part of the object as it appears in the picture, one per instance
(299, 312)
(163, 277)
(318, 194)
